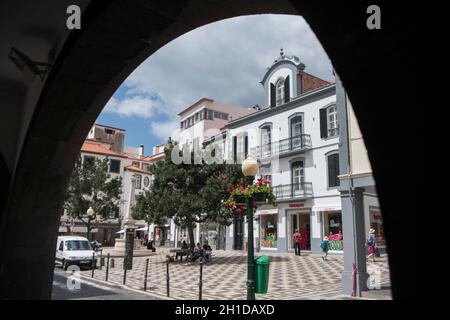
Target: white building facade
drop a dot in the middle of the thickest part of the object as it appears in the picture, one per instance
(296, 141)
(198, 123)
(124, 162)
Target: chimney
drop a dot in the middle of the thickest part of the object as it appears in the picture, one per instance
(141, 150)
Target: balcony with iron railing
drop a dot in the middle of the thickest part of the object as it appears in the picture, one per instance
(283, 147)
(302, 190)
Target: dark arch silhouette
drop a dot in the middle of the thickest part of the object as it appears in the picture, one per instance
(117, 35)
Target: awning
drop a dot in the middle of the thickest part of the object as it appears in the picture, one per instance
(142, 229)
(121, 231)
(267, 211)
(331, 207)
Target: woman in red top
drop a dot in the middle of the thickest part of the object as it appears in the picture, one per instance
(297, 240)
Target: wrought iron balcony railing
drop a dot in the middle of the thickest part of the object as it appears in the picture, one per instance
(293, 191)
(297, 143)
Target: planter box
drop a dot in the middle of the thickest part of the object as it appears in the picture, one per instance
(240, 200)
(260, 197)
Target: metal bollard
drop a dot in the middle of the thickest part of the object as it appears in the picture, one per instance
(102, 259)
(200, 284)
(113, 263)
(167, 278)
(124, 275)
(146, 274)
(107, 267)
(93, 263)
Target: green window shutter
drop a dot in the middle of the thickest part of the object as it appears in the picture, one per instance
(333, 170)
(272, 95)
(246, 146)
(286, 90)
(323, 123)
(338, 182)
(234, 149)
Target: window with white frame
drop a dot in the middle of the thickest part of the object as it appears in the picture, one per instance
(279, 91)
(298, 176)
(332, 121)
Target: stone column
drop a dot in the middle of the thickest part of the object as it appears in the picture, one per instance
(354, 241)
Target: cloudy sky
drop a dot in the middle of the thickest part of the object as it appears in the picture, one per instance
(223, 61)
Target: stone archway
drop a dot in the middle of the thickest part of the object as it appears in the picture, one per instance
(116, 37)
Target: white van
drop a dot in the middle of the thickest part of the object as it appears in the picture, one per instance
(73, 250)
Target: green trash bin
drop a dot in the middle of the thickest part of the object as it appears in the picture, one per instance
(262, 274)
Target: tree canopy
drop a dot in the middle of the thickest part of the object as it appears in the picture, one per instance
(91, 185)
(187, 193)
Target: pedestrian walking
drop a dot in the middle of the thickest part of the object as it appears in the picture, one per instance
(297, 240)
(371, 243)
(324, 246)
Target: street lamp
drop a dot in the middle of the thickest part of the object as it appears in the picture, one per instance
(249, 169)
(91, 216)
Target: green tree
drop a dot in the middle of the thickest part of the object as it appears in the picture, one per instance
(187, 193)
(92, 186)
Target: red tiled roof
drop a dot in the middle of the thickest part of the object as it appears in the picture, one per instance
(99, 148)
(136, 169)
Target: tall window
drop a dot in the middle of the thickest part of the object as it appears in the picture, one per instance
(333, 170)
(296, 131)
(332, 121)
(329, 122)
(138, 181)
(298, 177)
(114, 166)
(279, 91)
(265, 172)
(266, 139)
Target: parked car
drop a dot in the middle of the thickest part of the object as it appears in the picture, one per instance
(72, 250)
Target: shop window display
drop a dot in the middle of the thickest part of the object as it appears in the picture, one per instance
(333, 229)
(269, 231)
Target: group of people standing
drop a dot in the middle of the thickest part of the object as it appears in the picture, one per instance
(370, 243)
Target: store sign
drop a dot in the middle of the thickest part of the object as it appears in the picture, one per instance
(296, 205)
(268, 211)
(377, 217)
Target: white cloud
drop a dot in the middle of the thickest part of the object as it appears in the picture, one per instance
(165, 129)
(139, 106)
(224, 60)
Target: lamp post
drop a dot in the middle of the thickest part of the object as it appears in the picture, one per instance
(91, 216)
(249, 169)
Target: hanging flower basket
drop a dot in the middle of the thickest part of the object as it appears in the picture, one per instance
(239, 199)
(260, 197)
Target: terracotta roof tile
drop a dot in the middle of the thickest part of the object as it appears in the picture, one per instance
(136, 169)
(99, 148)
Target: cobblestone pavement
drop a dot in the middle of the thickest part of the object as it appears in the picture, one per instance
(291, 277)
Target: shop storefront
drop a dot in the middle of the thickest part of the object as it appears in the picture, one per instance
(332, 227)
(301, 221)
(376, 222)
(268, 229)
